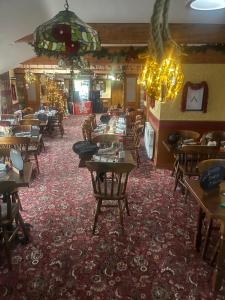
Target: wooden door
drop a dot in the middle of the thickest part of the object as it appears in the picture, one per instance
(131, 92)
(33, 95)
(117, 93)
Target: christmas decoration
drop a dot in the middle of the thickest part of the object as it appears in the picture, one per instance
(65, 36)
(29, 76)
(55, 96)
(162, 75)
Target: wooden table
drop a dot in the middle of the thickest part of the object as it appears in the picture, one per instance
(209, 204)
(114, 159)
(20, 180)
(113, 128)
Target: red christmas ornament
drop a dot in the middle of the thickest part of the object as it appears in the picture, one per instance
(62, 33)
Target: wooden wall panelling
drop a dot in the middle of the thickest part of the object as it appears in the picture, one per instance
(138, 33)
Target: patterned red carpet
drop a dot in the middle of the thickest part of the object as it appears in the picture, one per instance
(155, 259)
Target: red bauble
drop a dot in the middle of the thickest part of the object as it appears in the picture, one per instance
(62, 33)
(72, 47)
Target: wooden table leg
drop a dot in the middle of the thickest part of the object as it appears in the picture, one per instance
(219, 269)
(198, 236)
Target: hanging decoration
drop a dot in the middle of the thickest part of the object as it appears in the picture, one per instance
(78, 63)
(161, 75)
(29, 76)
(65, 36)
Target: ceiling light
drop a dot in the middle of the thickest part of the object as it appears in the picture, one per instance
(207, 4)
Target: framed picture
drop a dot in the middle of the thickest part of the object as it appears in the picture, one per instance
(14, 96)
(195, 97)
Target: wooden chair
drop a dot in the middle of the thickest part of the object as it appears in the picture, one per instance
(5, 123)
(203, 166)
(10, 215)
(30, 116)
(189, 158)
(184, 135)
(106, 140)
(37, 142)
(32, 122)
(217, 136)
(5, 157)
(86, 131)
(56, 123)
(134, 143)
(24, 145)
(93, 122)
(109, 182)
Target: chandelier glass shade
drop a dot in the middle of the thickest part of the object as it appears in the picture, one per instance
(65, 36)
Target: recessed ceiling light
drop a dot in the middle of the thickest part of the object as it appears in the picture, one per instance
(207, 4)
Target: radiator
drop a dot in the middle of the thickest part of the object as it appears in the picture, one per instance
(149, 139)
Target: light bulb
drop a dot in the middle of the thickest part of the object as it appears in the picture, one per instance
(208, 4)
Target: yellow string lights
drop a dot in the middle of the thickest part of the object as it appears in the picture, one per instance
(29, 76)
(162, 81)
(162, 74)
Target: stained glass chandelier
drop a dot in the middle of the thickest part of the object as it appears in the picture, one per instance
(65, 36)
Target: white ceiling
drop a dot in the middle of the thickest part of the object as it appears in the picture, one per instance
(20, 17)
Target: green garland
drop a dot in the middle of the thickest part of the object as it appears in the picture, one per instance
(132, 53)
(204, 48)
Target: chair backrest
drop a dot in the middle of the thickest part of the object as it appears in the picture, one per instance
(206, 164)
(30, 116)
(22, 128)
(106, 139)
(189, 134)
(19, 143)
(217, 136)
(92, 118)
(5, 123)
(7, 117)
(192, 155)
(109, 179)
(33, 122)
(6, 187)
(86, 130)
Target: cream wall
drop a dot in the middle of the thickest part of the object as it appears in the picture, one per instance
(214, 75)
(156, 110)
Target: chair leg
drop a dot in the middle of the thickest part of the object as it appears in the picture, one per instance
(176, 180)
(15, 196)
(138, 158)
(7, 248)
(42, 145)
(198, 237)
(215, 252)
(61, 130)
(21, 222)
(186, 195)
(208, 232)
(127, 207)
(121, 214)
(98, 208)
(37, 164)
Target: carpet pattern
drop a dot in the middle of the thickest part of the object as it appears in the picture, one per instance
(154, 259)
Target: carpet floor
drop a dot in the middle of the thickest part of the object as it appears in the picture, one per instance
(154, 259)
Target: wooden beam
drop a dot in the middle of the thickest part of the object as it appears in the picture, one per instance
(138, 33)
